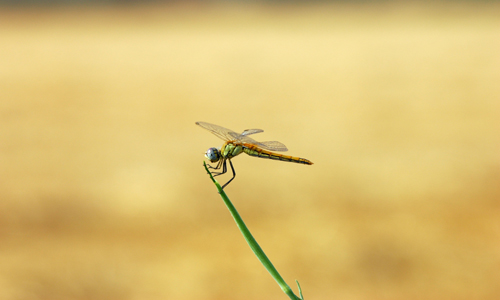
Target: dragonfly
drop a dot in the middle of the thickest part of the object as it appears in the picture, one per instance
(237, 143)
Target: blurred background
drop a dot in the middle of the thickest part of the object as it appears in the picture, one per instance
(102, 190)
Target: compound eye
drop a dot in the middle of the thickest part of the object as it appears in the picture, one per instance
(213, 155)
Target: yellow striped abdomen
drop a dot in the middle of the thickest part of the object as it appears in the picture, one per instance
(256, 151)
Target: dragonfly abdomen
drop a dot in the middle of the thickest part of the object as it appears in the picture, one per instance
(271, 155)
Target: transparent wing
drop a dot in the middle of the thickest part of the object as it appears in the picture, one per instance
(251, 131)
(229, 135)
(238, 136)
(221, 132)
(273, 145)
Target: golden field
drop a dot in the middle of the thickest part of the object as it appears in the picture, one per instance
(102, 190)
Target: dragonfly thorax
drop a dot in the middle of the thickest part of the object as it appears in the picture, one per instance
(230, 150)
(213, 154)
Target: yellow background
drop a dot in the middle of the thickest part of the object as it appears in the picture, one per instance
(102, 190)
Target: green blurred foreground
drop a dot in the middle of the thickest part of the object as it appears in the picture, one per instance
(102, 190)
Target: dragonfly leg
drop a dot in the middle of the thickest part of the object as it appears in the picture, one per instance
(224, 168)
(234, 173)
(217, 166)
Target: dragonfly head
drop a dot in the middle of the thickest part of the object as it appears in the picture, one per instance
(213, 154)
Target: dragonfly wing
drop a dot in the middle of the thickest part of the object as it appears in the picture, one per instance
(229, 135)
(251, 131)
(246, 132)
(273, 146)
(221, 132)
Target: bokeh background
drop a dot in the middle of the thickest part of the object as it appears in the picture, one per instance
(102, 190)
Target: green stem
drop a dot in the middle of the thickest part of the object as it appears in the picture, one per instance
(253, 243)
